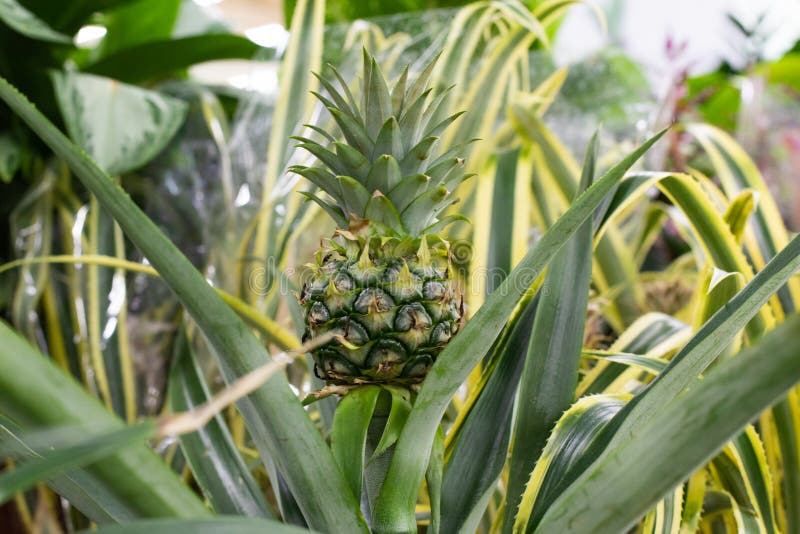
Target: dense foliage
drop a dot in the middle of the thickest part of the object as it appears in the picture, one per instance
(630, 357)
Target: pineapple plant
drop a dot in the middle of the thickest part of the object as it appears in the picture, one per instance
(383, 284)
(585, 458)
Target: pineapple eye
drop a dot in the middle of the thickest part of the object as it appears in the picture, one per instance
(418, 367)
(433, 291)
(352, 331)
(384, 356)
(342, 282)
(441, 334)
(330, 361)
(318, 313)
(391, 272)
(373, 300)
(412, 316)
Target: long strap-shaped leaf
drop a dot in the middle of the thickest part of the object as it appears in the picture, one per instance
(129, 484)
(395, 507)
(274, 416)
(690, 361)
(478, 443)
(40, 463)
(211, 452)
(295, 103)
(217, 525)
(568, 439)
(547, 386)
(635, 475)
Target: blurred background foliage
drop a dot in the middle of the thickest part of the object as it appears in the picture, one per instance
(118, 76)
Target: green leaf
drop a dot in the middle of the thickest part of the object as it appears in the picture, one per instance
(18, 18)
(704, 347)
(711, 339)
(409, 188)
(422, 211)
(334, 211)
(137, 22)
(380, 209)
(503, 217)
(389, 141)
(478, 443)
(417, 155)
(568, 440)
(433, 478)
(275, 418)
(130, 483)
(384, 176)
(353, 131)
(377, 103)
(211, 452)
(157, 59)
(349, 433)
(396, 502)
(649, 364)
(626, 482)
(61, 452)
(323, 179)
(644, 335)
(547, 385)
(741, 469)
(785, 70)
(354, 160)
(120, 126)
(739, 211)
(713, 233)
(217, 525)
(10, 157)
(354, 196)
(401, 407)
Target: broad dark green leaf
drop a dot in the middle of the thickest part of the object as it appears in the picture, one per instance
(17, 17)
(155, 59)
(135, 22)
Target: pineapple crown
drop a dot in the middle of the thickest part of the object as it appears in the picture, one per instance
(388, 172)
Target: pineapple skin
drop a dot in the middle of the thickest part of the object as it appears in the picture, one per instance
(392, 301)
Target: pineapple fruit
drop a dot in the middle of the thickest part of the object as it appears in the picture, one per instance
(383, 283)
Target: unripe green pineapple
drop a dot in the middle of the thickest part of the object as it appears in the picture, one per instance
(383, 282)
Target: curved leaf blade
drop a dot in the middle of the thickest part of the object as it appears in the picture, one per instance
(633, 476)
(211, 453)
(395, 505)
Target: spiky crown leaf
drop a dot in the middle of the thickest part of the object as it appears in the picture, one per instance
(388, 171)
